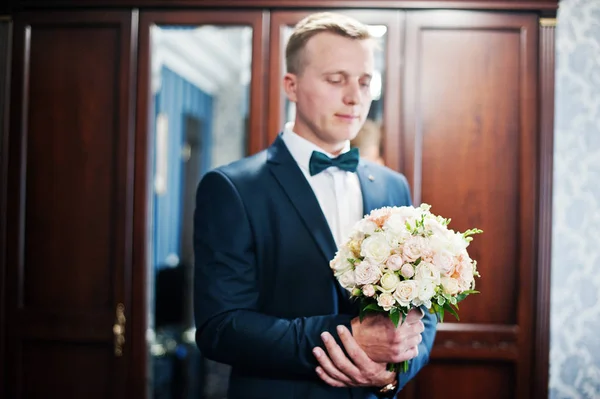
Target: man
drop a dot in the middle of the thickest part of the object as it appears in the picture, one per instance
(266, 227)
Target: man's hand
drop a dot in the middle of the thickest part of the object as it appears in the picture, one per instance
(384, 343)
(339, 371)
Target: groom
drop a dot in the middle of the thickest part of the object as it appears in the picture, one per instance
(266, 227)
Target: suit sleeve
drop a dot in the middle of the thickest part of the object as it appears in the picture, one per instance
(230, 327)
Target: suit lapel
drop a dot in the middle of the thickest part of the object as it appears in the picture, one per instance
(372, 188)
(291, 179)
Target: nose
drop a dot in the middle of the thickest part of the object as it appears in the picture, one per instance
(352, 93)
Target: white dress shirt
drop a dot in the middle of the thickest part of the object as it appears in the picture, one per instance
(337, 190)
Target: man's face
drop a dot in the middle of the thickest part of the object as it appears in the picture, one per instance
(331, 91)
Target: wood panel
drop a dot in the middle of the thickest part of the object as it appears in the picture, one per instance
(5, 51)
(464, 380)
(69, 203)
(540, 5)
(470, 150)
(546, 144)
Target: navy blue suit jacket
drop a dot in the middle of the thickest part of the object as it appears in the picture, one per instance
(264, 291)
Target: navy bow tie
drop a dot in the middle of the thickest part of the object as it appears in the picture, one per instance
(347, 161)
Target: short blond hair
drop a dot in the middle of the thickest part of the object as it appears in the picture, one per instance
(320, 22)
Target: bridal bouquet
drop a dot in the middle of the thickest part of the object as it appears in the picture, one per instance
(399, 258)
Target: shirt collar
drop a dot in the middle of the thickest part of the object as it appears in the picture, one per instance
(302, 149)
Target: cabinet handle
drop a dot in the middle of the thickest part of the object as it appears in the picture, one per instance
(119, 330)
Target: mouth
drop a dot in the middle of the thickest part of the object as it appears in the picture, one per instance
(347, 117)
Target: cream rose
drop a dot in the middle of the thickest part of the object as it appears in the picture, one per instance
(367, 273)
(445, 262)
(426, 271)
(406, 292)
(407, 270)
(368, 290)
(394, 262)
(412, 249)
(450, 285)
(347, 280)
(386, 301)
(389, 281)
(340, 262)
(376, 248)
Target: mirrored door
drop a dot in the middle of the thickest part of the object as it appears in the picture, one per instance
(203, 110)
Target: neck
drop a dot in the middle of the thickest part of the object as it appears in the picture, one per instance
(308, 134)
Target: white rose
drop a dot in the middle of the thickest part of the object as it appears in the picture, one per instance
(406, 292)
(445, 262)
(435, 226)
(407, 270)
(367, 273)
(368, 290)
(389, 281)
(376, 248)
(425, 293)
(397, 221)
(465, 271)
(386, 301)
(348, 280)
(450, 285)
(412, 249)
(426, 271)
(458, 243)
(394, 262)
(340, 262)
(366, 227)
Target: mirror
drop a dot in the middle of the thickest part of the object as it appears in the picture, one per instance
(198, 120)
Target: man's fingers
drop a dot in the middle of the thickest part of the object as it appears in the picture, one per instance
(414, 315)
(356, 353)
(338, 357)
(328, 380)
(329, 368)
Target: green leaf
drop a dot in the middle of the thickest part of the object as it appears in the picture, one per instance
(395, 318)
(373, 307)
(464, 294)
(441, 300)
(439, 312)
(451, 310)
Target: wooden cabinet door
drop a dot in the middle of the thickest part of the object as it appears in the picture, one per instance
(469, 148)
(69, 205)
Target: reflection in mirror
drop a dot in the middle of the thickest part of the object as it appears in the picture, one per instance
(199, 120)
(369, 139)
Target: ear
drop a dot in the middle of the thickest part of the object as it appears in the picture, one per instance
(290, 85)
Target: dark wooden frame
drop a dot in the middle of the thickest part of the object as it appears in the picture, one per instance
(548, 7)
(3, 193)
(541, 334)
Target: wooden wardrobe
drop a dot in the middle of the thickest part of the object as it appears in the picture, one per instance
(467, 116)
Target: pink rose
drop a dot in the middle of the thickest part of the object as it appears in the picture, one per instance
(368, 290)
(394, 262)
